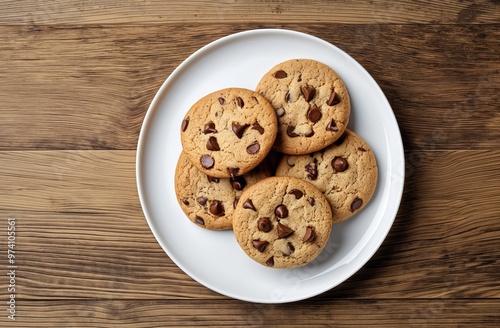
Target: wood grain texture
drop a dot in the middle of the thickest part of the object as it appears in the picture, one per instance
(230, 11)
(76, 79)
(90, 87)
(333, 313)
(81, 232)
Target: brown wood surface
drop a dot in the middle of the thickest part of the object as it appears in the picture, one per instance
(76, 79)
(236, 12)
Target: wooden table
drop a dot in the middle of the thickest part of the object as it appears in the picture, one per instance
(76, 79)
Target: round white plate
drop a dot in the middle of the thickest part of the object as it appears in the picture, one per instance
(213, 258)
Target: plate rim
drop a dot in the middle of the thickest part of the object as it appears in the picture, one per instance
(154, 106)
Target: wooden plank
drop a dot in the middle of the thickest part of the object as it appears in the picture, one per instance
(442, 81)
(303, 11)
(82, 233)
(191, 313)
(98, 182)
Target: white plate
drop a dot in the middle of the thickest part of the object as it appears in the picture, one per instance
(213, 258)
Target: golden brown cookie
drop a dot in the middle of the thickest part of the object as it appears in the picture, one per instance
(208, 201)
(346, 173)
(311, 102)
(282, 222)
(229, 132)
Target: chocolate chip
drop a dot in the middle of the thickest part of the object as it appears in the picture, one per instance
(356, 204)
(248, 204)
(290, 132)
(235, 202)
(258, 127)
(239, 129)
(233, 171)
(280, 112)
(340, 140)
(339, 164)
(309, 134)
(361, 149)
(222, 101)
(281, 211)
(289, 249)
(253, 148)
(281, 74)
(334, 99)
(284, 231)
(212, 144)
(240, 102)
(287, 97)
(270, 261)
(185, 124)
(185, 201)
(332, 126)
(311, 201)
(299, 79)
(308, 92)
(238, 183)
(313, 114)
(199, 220)
(309, 236)
(264, 224)
(297, 193)
(202, 200)
(209, 128)
(213, 179)
(216, 208)
(312, 170)
(260, 245)
(207, 162)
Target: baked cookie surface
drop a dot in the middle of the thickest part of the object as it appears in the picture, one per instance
(282, 222)
(311, 102)
(229, 132)
(207, 201)
(346, 172)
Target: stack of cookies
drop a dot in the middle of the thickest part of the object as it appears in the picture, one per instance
(276, 164)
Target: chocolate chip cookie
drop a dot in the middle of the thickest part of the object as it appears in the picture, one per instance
(311, 102)
(208, 201)
(229, 132)
(282, 222)
(346, 173)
